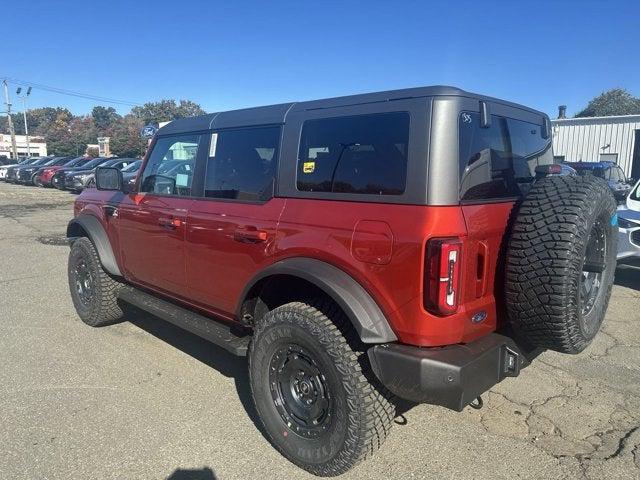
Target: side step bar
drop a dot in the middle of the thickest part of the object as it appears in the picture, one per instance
(205, 327)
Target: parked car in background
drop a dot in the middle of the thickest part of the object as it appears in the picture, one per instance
(12, 163)
(130, 173)
(79, 180)
(59, 178)
(26, 175)
(12, 172)
(45, 174)
(629, 226)
(618, 182)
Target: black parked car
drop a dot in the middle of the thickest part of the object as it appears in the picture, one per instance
(78, 180)
(12, 172)
(26, 174)
(130, 173)
(58, 180)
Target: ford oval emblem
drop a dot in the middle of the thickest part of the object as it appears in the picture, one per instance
(148, 131)
(481, 316)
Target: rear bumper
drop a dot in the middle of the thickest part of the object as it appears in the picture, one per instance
(451, 376)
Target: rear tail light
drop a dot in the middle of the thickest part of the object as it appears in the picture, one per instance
(443, 264)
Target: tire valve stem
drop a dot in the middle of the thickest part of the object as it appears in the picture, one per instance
(477, 403)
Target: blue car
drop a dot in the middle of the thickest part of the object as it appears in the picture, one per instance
(618, 182)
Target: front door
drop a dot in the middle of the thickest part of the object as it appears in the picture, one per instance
(231, 233)
(151, 223)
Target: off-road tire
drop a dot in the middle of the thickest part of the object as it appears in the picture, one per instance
(545, 259)
(102, 307)
(363, 413)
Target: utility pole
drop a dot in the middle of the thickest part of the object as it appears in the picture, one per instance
(24, 116)
(12, 132)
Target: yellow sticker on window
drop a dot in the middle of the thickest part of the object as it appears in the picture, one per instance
(308, 167)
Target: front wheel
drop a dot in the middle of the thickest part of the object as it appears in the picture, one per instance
(313, 389)
(93, 291)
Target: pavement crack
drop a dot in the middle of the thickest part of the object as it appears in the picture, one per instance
(622, 443)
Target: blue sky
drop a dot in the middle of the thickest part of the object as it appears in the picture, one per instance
(234, 54)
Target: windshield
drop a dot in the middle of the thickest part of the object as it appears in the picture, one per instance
(42, 161)
(135, 166)
(95, 162)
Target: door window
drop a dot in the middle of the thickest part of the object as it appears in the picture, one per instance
(169, 170)
(242, 163)
(364, 154)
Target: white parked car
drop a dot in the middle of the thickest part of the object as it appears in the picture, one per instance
(629, 225)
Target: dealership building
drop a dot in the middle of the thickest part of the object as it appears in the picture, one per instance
(591, 139)
(37, 146)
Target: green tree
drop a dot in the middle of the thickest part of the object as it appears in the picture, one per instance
(617, 101)
(166, 110)
(125, 137)
(104, 117)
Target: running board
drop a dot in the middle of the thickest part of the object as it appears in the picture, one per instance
(219, 333)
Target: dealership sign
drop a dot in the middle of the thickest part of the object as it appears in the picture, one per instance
(148, 131)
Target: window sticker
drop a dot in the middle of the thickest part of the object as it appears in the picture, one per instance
(213, 145)
(182, 180)
(308, 167)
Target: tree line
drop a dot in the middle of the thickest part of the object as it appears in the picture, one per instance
(69, 134)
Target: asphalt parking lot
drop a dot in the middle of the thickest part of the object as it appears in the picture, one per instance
(145, 400)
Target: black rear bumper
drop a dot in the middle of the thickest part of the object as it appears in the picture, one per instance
(451, 376)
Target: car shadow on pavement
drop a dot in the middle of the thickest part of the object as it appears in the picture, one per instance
(193, 474)
(204, 351)
(628, 275)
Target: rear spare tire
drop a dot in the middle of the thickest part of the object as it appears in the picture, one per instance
(560, 262)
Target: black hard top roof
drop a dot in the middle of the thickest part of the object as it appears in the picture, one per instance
(274, 114)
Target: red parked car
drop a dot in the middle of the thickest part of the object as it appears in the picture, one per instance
(44, 176)
(403, 244)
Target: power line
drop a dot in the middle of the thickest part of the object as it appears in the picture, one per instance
(72, 93)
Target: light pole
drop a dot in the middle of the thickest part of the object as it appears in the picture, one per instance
(24, 115)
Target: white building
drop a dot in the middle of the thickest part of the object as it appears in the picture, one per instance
(37, 146)
(591, 139)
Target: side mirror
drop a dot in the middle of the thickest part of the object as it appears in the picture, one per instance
(109, 178)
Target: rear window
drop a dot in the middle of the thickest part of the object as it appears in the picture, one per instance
(499, 161)
(364, 154)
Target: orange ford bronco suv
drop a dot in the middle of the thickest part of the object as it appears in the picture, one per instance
(413, 245)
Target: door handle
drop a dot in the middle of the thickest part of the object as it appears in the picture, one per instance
(110, 211)
(482, 269)
(250, 234)
(171, 223)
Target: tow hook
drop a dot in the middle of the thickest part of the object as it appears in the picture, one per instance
(477, 403)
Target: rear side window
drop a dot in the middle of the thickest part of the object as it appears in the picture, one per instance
(499, 161)
(364, 154)
(169, 170)
(242, 163)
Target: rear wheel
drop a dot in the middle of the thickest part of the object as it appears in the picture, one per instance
(313, 391)
(93, 291)
(560, 263)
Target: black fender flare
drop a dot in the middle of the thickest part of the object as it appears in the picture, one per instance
(361, 309)
(98, 236)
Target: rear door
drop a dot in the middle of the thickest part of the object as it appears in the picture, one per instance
(231, 230)
(151, 223)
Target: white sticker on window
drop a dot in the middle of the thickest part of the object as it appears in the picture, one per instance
(213, 145)
(182, 180)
